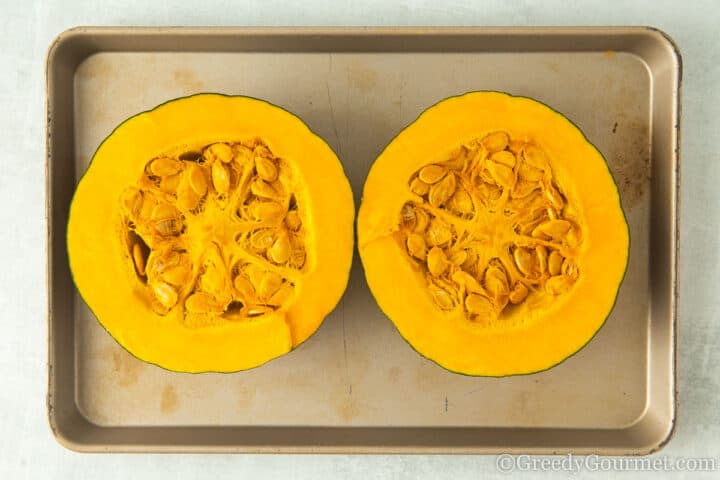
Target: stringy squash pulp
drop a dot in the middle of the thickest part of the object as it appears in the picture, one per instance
(212, 233)
(492, 235)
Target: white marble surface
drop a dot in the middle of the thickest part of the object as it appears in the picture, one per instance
(27, 449)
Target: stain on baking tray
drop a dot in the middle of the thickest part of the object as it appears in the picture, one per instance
(394, 374)
(246, 396)
(629, 161)
(97, 68)
(346, 407)
(361, 78)
(168, 399)
(187, 80)
(554, 66)
(126, 368)
(97, 73)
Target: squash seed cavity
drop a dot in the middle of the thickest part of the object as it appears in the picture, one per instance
(491, 229)
(216, 233)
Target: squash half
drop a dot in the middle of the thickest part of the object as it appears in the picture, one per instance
(212, 233)
(492, 235)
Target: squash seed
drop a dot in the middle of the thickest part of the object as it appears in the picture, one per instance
(536, 158)
(437, 261)
(242, 155)
(269, 284)
(555, 261)
(165, 294)
(529, 173)
(200, 303)
(131, 200)
(262, 239)
(416, 246)
(432, 173)
(407, 215)
(244, 288)
(422, 219)
(146, 206)
(279, 252)
(477, 304)
(523, 261)
(515, 146)
(523, 189)
(569, 269)
(542, 258)
(163, 211)
(518, 294)
(496, 141)
(459, 157)
(503, 158)
(170, 184)
(262, 189)
(297, 257)
(219, 151)
(501, 174)
(438, 232)
(459, 257)
(496, 281)
(187, 197)
(266, 211)
(470, 260)
(168, 227)
(159, 261)
(490, 191)
(468, 281)
(282, 295)
(139, 259)
(442, 298)
(262, 150)
(554, 197)
(165, 166)
(293, 221)
(441, 191)
(258, 310)
(461, 202)
(197, 180)
(254, 274)
(555, 229)
(557, 285)
(213, 280)
(418, 187)
(220, 178)
(266, 169)
(176, 275)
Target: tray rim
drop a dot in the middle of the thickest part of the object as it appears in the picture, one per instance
(73, 440)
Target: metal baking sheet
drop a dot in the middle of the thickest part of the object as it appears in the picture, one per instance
(356, 386)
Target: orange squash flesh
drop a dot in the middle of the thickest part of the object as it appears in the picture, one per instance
(515, 322)
(122, 254)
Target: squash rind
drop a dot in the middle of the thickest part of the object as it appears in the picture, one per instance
(447, 339)
(231, 346)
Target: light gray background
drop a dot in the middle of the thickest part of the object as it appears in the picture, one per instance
(27, 449)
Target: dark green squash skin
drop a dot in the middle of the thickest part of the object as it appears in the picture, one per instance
(617, 292)
(347, 276)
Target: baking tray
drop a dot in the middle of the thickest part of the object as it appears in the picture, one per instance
(356, 386)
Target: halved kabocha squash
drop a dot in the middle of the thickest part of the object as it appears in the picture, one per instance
(492, 235)
(212, 233)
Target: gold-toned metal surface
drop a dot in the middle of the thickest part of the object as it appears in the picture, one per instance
(356, 386)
